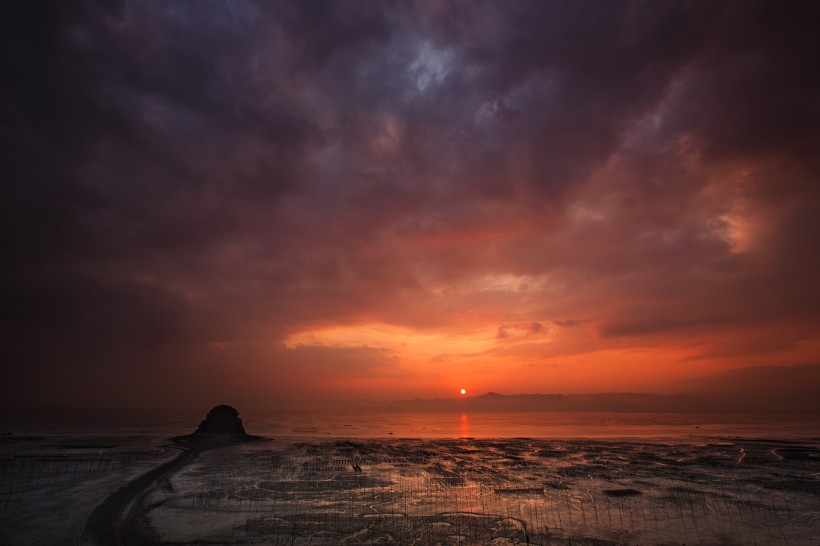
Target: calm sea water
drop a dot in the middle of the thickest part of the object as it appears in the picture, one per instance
(428, 425)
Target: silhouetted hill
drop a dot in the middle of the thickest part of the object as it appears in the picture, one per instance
(762, 389)
(222, 420)
(221, 426)
(606, 402)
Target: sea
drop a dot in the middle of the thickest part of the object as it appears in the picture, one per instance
(308, 424)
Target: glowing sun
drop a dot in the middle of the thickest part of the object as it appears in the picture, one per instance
(463, 391)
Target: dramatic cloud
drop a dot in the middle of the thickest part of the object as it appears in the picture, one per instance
(355, 198)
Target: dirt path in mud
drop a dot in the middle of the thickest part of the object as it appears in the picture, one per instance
(111, 523)
(114, 521)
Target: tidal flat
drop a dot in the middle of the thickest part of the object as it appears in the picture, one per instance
(706, 490)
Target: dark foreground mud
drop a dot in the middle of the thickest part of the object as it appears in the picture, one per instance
(108, 522)
(511, 491)
(514, 491)
(112, 523)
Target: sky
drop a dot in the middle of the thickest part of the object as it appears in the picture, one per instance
(253, 200)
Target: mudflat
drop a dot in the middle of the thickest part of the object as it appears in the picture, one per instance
(710, 490)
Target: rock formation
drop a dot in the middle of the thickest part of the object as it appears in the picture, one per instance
(222, 420)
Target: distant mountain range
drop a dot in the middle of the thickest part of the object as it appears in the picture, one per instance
(606, 402)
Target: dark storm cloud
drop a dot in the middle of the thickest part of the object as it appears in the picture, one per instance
(652, 325)
(183, 175)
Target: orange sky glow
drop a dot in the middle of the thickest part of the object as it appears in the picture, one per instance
(390, 201)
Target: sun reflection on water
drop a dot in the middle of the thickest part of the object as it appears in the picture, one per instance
(465, 426)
